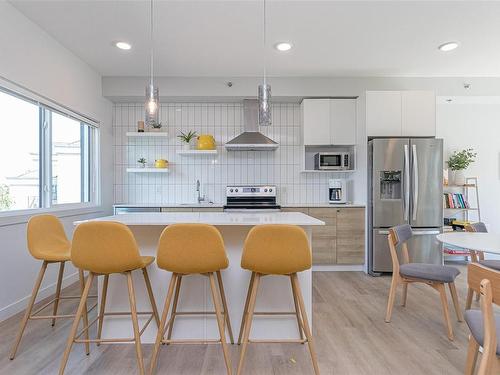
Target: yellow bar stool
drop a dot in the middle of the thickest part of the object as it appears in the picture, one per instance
(276, 250)
(105, 248)
(187, 249)
(47, 242)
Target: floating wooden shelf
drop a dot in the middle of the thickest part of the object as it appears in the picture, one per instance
(196, 152)
(327, 171)
(147, 134)
(148, 170)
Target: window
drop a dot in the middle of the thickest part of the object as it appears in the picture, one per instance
(46, 156)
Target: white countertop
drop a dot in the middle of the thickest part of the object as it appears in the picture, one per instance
(213, 218)
(487, 242)
(220, 205)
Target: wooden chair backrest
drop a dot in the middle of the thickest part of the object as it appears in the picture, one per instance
(477, 273)
(490, 338)
(393, 242)
(478, 227)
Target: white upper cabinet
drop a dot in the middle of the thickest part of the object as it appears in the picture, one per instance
(329, 121)
(400, 113)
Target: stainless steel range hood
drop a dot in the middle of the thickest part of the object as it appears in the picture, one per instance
(251, 139)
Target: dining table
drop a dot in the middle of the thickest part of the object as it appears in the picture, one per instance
(486, 242)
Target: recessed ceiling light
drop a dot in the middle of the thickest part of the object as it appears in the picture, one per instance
(283, 46)
(123, 45)
(448, 46)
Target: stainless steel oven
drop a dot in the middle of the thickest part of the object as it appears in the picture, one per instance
(332, 160)
(254, 198)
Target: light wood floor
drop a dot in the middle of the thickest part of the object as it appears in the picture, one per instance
(351, 338)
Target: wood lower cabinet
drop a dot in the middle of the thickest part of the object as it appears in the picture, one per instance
(342, 239)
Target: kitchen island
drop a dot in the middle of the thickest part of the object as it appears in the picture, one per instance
(274, 292)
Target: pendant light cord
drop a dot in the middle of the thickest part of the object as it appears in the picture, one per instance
(264, 39)
(151, 44)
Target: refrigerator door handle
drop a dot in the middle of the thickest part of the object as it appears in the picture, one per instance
(406, 200)
(415, 182)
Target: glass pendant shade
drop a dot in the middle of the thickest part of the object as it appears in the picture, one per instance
(152, 106)
(265, 105)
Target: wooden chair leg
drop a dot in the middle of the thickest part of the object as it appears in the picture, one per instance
(220, 323)
(163, 321)
(472, 351)
(297, 310)
(135, 323)
(245, 309)
(151, 296)
(85, 313)
(71, 338)
(248, 321)
(390, 301)
(28, 310)
(224, 307)
(468, 302)
(456, 303)
(405, 294)
(58, 292)
(442, 292)
(102, 308)
(174, 306)
(305, 322)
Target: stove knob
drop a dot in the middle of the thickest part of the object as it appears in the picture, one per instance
(270, 190)
(236, 190)
(265, 190)
(231, 190)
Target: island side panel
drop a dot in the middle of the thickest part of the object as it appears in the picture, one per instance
(274, 294)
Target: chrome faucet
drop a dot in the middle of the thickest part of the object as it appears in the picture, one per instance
(201, 198)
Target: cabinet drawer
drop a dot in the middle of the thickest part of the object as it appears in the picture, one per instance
(318, 212)
(350, 236)
(323, 250)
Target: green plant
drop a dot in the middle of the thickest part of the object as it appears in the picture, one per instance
(187, 137)
(156, 125)
(142, 161)
(5, 199)
(460, 160)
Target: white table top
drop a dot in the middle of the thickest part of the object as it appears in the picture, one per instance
(487, 242)
(213, 218)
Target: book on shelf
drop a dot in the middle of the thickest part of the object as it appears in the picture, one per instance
(455, 200)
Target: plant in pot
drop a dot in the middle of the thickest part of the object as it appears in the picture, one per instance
(186, 138)
(458, 162)
(142, 162)
(156, 126)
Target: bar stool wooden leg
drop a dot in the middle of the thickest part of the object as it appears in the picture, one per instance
(297, 311)
(305, 322)
(163, 321)
(456, 304)
(76, 322)
(174, 306)
(85, 313)
(248, 321)
(29, 308)
(135, 323)
(151, 296)
(220, 323)
(245, 309)
(58, 291)
(102, 308)
(224, 306)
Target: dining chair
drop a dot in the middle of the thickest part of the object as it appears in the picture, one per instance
(434, 275)
(484, 325)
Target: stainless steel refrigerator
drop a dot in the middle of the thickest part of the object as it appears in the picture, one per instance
(405, 178)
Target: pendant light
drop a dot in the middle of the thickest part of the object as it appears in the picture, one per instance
(152, 93)
(264, 88)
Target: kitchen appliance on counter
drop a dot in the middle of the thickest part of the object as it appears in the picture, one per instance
(332, 161)
(337, 191)
(405, 177)
(252, 198)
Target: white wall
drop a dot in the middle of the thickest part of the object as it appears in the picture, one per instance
(32, 59)
(475, 123)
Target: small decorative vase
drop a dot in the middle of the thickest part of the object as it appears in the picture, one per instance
(187, 146)
(156, 130)
(142, 165)
(458, 177)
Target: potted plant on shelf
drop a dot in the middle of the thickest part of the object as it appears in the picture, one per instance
(458, 162)
(156, 126)
(142, 162)
(186, 138)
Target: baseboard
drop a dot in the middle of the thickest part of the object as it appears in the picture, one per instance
(338, 267)
(15, 307)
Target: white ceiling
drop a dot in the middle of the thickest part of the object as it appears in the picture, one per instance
(332, 38)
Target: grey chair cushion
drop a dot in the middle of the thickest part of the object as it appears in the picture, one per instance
(432, 272)
(492, 263)
(403, 233)
(474, 319)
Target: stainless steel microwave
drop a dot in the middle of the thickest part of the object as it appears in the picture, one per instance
(332, 160)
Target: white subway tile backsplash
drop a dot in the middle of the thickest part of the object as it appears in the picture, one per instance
(224, 121)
